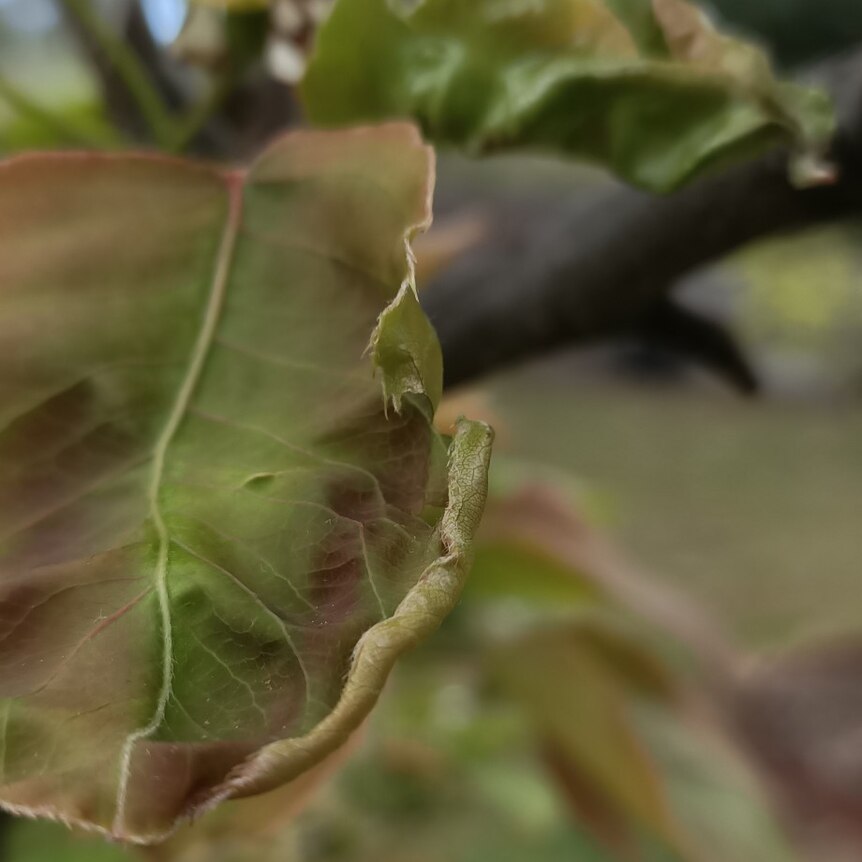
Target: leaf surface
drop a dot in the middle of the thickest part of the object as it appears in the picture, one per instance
(215, 535)
(646, 88)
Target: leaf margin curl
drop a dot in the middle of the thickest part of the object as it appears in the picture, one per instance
(426, 602)
(419, 615)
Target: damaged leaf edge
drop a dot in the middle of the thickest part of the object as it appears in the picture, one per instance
(424, 607)
(807, 131)
(420, 613)
(404, 370)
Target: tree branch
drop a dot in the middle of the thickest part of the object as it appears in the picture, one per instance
(138, 96)
(597, 269)
(671, 327)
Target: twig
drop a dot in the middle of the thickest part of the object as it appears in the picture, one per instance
(190, 126)
(128, 68)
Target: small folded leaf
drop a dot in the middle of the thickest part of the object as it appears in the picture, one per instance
(215, 536)
(645, 87)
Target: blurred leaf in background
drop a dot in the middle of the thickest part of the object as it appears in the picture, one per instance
(554, 725)
(649, 90)
(48, 98)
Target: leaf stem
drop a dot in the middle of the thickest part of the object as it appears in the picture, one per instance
(129, 68)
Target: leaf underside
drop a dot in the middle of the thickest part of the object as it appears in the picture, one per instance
(646, 88)
(215, 536)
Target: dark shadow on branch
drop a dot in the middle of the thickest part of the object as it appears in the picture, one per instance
(675, 329)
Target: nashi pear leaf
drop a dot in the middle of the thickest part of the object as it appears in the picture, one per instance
(646, 88)
(215, 534)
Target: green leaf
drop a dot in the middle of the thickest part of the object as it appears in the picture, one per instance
(215, 535)
(645, 87)
(577, 683)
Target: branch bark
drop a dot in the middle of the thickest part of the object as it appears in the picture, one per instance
(139, 95)
(599, 268)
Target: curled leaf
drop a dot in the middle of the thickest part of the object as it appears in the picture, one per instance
(215, 537)
(645, 87)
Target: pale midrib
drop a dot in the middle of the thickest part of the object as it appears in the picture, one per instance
(215, 304)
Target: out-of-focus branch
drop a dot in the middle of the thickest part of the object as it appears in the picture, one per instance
(671, 327)
(598, 267)
(137, 95)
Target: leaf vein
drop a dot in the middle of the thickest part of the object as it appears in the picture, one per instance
(200, 352)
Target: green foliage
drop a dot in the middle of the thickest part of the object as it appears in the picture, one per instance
(586, 727)
(37, 841)
(27, 127)
(449, 766)
(648, 89)
(644, 774)
(216, 535)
